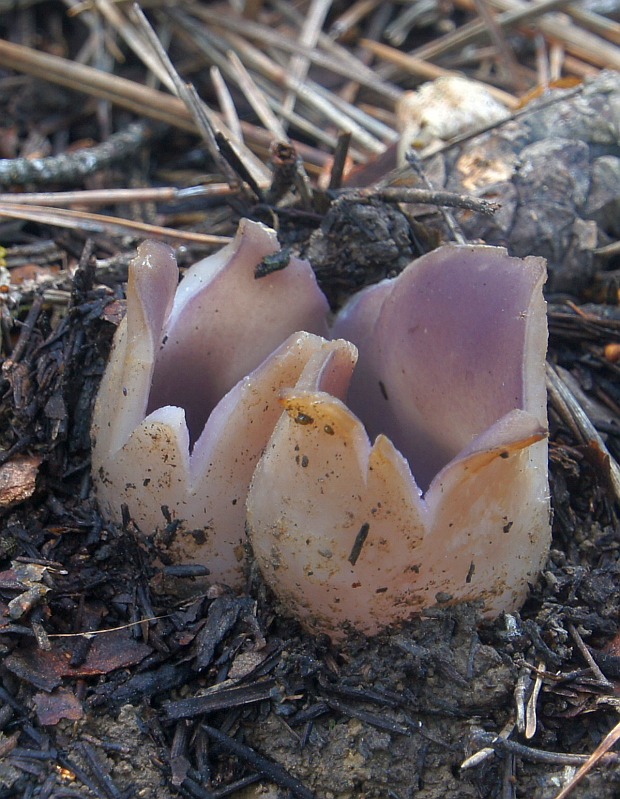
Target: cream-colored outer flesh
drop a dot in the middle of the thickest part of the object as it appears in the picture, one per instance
(451, 363)
(153, 474)
(143, 461)
(481, 532)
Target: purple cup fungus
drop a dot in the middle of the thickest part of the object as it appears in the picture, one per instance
(213, 397)
(190, 397)
(450, 379)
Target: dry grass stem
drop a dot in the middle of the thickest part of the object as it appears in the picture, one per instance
(426, 70)
(135, 40)
(579, 42)
(255, 97)
(336, 59)
(351, 17)
(476, 31)
(611, 739)
(201, 114)
(95, 197)
(100, 223)
(505, 56)
(310, 93)
(227, 105)
(602, 26)
(308, 37)
(578, 421)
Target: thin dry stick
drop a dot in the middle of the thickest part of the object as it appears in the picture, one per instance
(255, 97)
(307, 92)
(601, 750)
(574, 415)
(475, 30)
(577, 41)
(539, 755)
(78, 77)
(101, 223)
(134, 39)
(186, 92)
(304, 125)
(341, 62)
(369, 122)
(340, 159)
(425, 69)
(423, 197)
(607, 28)
(351, 17)
(75, 166)
(227, 105)
(128, 94)
(309, 36)
(587, 656)
(374, 30)
(63, 199)
(556, 60)
(505, 53)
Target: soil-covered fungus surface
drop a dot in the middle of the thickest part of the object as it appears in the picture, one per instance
(122, 676)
